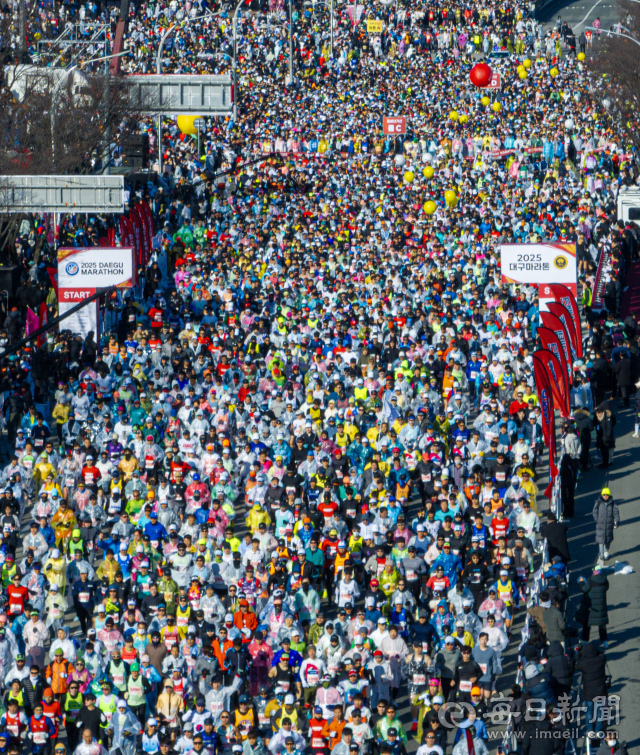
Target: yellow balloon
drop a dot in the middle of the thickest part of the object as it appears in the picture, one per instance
(429, 207)
(322, 146)
(453, 115)
(522, 74)
(520, 69)
(496, 107)
(485, 101)
(581, 56)
(526, 63)
(428, 172)
(409, 176)
(464, 118)
(185, 124)
(451, 198)
(553, 73)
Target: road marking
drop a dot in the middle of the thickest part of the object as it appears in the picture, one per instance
(588, 14)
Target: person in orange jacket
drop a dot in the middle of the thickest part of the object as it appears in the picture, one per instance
(58, 673)
(220, 646)
(245, 618)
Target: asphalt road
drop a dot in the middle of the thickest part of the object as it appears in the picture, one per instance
(580, 14)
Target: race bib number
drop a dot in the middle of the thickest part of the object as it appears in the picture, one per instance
(15, 608)
(419, 679)
(317, 742)
(351, 513)
(483, 666)
(285, 686)
(40, 737)
(465, 686)
(84, 597)
(411, 575)
(118, 678)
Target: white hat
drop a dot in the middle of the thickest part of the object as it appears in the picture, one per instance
(289, 700)
(228, 617)
(55, 553)
(121, 703)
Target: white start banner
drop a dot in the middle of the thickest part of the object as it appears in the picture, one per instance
(540, 265)
(83, 271)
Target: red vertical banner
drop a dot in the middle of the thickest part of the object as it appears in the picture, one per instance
(544, 389)
(136, 224)
(558, 381)
(130, 236)
(564, 316)
(42, 319)
(143, 229)
(147, 221)
(552, 322)
(565, 296)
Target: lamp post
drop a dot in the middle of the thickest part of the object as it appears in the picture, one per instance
(159, 71)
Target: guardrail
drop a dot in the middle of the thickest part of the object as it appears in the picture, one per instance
(537, 586)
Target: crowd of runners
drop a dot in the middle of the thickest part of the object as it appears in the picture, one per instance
(292, 502)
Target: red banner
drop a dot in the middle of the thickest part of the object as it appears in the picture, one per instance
(136, 224)
(544, 390)
(564, 316)
(42, 319)
(129, 236)
(552, 322)
(53, 277)
(146, 241)
(554, 367)
(565, 297)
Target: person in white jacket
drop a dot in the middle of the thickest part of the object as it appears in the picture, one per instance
(395, 651)
(347, 591)
(380, 678)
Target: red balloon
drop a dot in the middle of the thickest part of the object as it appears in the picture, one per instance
(480, 75)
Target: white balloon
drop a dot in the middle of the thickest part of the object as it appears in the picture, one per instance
(568, 124)
(606, 104)
(399, 160)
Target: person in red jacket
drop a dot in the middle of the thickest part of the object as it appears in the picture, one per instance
(41, 730)
(318, 731)
(17, 596)
(499, 525)
(52, 710)
(156, 315)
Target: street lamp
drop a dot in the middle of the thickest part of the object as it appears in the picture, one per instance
(159, 71)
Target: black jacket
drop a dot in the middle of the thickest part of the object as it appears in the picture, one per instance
(556, 534)
(592, 663)
(33, 692)
(560, 668)
(593, 607)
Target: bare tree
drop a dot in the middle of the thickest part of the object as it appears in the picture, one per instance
(617, 59)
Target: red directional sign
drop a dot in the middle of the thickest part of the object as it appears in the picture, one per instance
(394, 126)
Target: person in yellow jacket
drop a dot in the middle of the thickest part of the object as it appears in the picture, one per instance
(61, 413)
(55, 570)
(389, 578)
(360, 392)
(63, 522)
(50, 487)
(256, 516)
(108, 568)
(41, 469)
(341, 439)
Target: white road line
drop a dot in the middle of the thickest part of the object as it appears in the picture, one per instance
(588, 14)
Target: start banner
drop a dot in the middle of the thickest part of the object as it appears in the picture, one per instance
(88, 269)
(540, 265)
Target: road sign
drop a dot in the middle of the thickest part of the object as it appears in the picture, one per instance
(179, 94)
(374, 27)
(495, 82)
(394, 126)
(61, 193)
(199, 123)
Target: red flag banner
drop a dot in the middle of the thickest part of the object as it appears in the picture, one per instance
(559, 381)
(42, 320)
(53, 277)
(552, 322)
(565, 297)
(136, 225)
(564, 316)
(544, 389)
